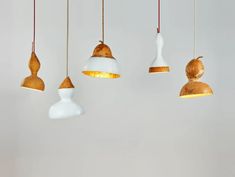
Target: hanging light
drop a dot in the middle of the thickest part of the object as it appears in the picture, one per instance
(66, 107)
(159, 65)
(102, 64)
(194, 71)
(33, 81)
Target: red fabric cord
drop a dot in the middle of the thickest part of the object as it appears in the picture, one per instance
(159, 16)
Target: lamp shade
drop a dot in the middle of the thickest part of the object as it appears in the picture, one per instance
(159, 65)
(33, 81)
(102, 64)
(66, 107)
(195, 88)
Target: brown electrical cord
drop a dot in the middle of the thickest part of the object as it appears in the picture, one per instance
(194, 30)
(67, 41)
(34, 25)
(102, 21)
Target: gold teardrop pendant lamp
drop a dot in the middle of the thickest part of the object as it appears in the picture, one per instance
(194, 71)
(33, 81)
(102, 64)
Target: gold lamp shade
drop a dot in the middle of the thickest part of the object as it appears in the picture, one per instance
(102, 50)
(102, 64)
(33, 81)
(67, 83)
(195, 88)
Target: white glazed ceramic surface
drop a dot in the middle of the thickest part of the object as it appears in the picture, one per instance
(66, 107)
(159, 60)
(102, 64)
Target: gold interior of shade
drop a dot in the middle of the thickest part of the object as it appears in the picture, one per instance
(102, 50)
(160, 69)
(67, 83)
(33, 81)
(98, 74)
(196, 95)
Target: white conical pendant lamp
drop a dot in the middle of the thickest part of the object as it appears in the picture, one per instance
(194, 71)
(102, 64)
(33, 82)
(159, 65)
(66, 107)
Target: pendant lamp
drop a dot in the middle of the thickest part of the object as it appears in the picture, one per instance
(194, 71)
(33, 81)
(102, 64)
(66, 107)
(159, 65)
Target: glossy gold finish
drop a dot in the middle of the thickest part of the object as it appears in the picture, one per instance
(102, 50)
(33, 81)
(161, 69)
(195, 88)
(67, 83)
(99, 74)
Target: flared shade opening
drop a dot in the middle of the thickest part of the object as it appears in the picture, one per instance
(66, 107)
(33, 82)
(159, 69)
(102, 67)
(194, 89)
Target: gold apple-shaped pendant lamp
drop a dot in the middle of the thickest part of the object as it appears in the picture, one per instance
(159, 65)
(194, 71)
(33, 81)
(195, 88)
(66, 107)
(102, 64)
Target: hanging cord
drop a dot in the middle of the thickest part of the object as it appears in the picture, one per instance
(67, 41)
(102, 41)
(159, 16)
(34, 25)
(194, 30)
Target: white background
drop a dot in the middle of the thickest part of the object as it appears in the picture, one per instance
(135, 126)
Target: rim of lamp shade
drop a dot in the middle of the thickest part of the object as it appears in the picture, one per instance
(194, 88)
(102, 64)
(159, 65)
(33, 82)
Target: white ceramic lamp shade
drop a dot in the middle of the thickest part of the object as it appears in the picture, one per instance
(159, 65)
(66, 107)
(102, 64)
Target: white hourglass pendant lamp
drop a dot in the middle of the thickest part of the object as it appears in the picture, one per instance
(102, 64)
(33, 82)
(66, 107)
(159, 65)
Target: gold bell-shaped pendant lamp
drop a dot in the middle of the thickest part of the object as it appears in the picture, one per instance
(102, 64)
(66, 107)
(159, 65)
(194, 71)
(33, 81)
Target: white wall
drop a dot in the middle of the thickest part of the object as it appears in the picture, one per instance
(135, 126)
